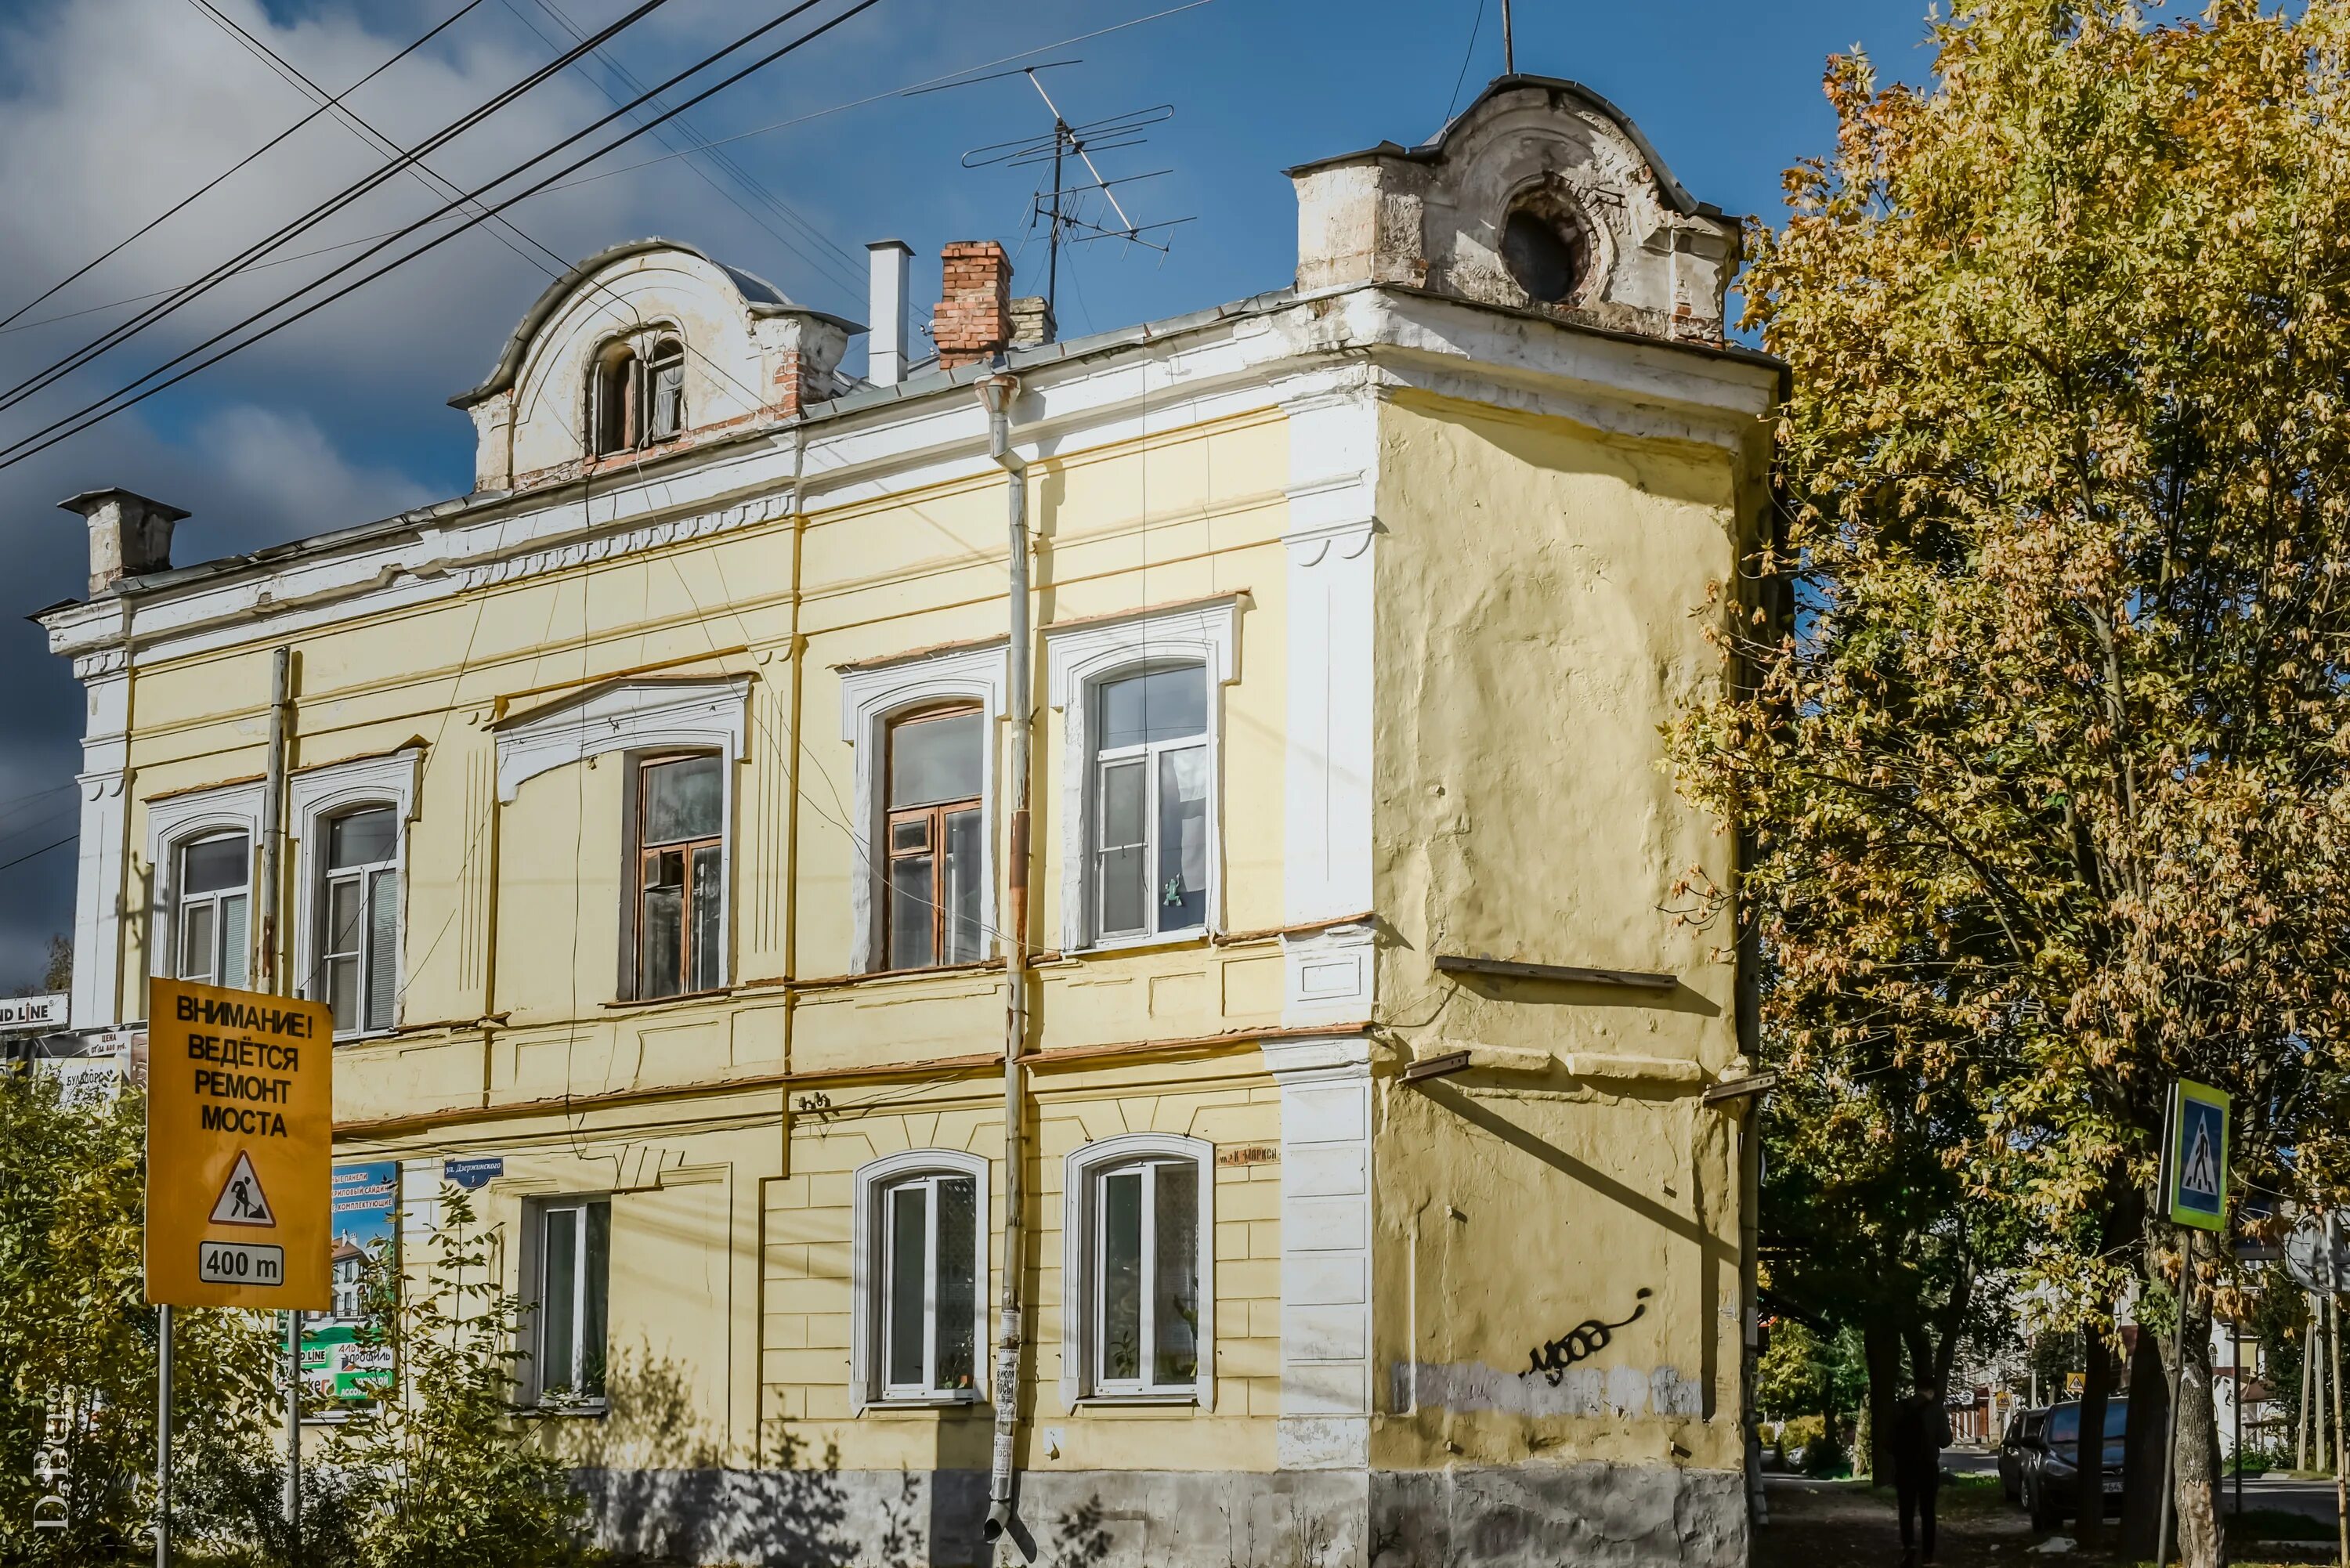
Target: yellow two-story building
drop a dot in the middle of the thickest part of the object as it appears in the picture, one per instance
(1216, 760)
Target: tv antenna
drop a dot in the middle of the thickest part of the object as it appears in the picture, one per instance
(1064, 210)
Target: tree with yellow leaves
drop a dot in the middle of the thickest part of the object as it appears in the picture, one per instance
(2041, 733)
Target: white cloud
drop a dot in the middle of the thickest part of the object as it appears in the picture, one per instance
(283, 463)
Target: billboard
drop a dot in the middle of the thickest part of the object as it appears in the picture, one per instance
(336, 1366)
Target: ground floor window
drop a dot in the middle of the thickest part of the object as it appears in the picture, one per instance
(1143, 1261)
(574, 1238)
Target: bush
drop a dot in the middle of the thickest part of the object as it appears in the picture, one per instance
(1827, 1456)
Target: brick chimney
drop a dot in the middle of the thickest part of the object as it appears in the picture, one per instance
(973, 318)
(129, 535)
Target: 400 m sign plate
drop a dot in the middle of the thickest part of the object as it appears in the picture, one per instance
(240, 1125)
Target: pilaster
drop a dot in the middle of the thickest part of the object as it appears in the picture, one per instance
(1326, 1250)
(98, 892)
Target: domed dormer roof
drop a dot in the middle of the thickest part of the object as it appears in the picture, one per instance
(1541, 195)
(647, 344)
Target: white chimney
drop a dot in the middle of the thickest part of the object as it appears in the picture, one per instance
(129, 535)
(885, 347)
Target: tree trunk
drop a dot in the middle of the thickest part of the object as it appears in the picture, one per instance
(2149, 1423)
(2195, 1470)
(2097, 1378)
(1881, 1344)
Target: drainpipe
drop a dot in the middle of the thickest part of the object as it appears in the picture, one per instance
(997, 390)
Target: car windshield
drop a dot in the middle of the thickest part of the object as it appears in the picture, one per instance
(2064, 1429)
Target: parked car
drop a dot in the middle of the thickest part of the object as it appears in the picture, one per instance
(2023, 1432)
(2051, 1464)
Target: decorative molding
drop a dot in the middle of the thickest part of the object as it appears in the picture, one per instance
(1077, 1270)
(315, 793)
(1326, 1250)
(870, 1182)
(1080, 656)
(1329, 976)
(870, 697)
(623, 542)
(1333, 459)
(621, 716)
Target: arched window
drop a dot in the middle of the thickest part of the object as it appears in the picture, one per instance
(211, 894)
(680, 874)
(665, 383)
(612, 402)
(1138, 1322)
(936, 770)
(356, 970)
(634, 401)
(918, 1266)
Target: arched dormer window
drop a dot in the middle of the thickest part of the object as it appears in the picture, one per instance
(635, 400)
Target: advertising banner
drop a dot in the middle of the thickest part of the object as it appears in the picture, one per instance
(335, 1365)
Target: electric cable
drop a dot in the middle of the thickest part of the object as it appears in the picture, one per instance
(124, 331)
(199, 192)
(48, 436)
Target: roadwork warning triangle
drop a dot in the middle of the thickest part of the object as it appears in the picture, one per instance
(240, 1201)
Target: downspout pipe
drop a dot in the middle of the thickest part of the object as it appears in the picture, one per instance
(997, 392)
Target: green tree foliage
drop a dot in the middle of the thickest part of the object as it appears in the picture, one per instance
(2041, 729)
(76, 1339)
(434, 1472)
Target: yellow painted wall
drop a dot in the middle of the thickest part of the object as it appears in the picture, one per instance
(1533, 583)
(1535, 591)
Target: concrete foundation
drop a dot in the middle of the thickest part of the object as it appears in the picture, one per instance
(1537, 1516)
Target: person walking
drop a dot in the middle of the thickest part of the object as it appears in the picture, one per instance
(1921, 1430)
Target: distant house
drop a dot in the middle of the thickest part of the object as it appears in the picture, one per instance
(350, 1261)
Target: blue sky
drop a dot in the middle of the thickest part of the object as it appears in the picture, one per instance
(112, 110)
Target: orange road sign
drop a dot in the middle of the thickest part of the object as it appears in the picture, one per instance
(240, 1128)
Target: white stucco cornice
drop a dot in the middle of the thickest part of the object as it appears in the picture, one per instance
(1277, 351)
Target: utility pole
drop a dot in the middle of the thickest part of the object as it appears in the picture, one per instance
(272, 975)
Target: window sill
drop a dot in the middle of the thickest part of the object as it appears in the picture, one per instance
(1198, 936)
(952, 1401)
(364, 1036)
(631, 1004)
(587, 1410)
(1096, 1401)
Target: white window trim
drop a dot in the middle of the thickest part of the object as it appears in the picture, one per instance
(632, 718)
(534, 1264)
(871, 1181)
(182, 819)
(624, 716)
(313, 796)
(871, 700)
(1076, 1265)
(1079, 660)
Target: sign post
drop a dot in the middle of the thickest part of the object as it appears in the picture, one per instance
(240, 1125)
(2193, 1193)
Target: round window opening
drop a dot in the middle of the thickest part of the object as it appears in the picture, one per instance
(1547, 252)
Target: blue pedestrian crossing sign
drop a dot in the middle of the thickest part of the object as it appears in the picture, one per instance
(2195, 1156)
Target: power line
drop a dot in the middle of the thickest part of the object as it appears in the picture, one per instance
(198, 193)
(844, 270)
(44, 849)
(769, 129)
(124, 331)
(48, 436)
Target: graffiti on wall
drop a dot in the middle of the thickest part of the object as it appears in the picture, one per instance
(1551, 1358)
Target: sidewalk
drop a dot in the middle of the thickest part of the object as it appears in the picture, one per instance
(1845, 1524)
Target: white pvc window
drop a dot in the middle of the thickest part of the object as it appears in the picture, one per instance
(1151, 805)
(1145, 1238)
(930, 1283)
(357, 971)
(568, 1319)
(212, 925)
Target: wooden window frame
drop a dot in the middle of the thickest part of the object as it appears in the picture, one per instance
(642, 852)
(934, 838)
